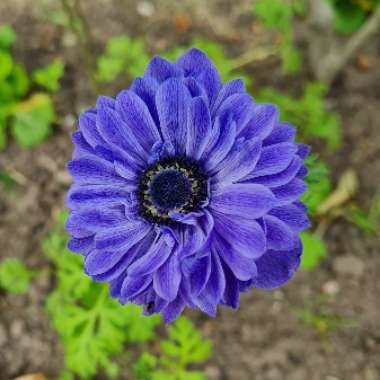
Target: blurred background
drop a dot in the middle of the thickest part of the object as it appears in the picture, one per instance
(319, 61)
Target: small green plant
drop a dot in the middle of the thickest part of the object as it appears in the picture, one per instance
(29, 119)
(91, 325)
(48, 77)
(308, 113)
(184, 348)
(318, 181)
(123, 55)
(351, 14)
(216, 53)
(279, 15)
(314, 250)
(15, 276)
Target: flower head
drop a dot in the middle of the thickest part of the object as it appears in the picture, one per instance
(186, 191)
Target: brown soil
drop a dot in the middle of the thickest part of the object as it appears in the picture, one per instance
(264, 339)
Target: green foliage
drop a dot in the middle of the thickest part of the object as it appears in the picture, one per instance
(184, 348)
(278, 15)
(314, 250)
(30, 120)
(216, 53)
(15, 276)
(368, 222)
(48, 77)
(7, 37)
(308, 113)
(318, 181)
(123, 55)
(91, 325)
(351, 14)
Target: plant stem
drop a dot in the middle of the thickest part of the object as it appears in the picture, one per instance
(334, 62)
(256, 54)
(79, 26)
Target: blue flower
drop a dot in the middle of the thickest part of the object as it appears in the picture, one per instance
(186, 191)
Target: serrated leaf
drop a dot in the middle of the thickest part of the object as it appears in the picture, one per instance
(314, 249)
(32, 120)
(48, 76)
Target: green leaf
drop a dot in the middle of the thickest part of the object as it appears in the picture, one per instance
(7, 37)
(15, 276)
(308, 113)
(32, 120)
(6, 65)
(123, 55)
(48, 77)
(290, 58)
(19, 81)
(319, 183)
(275, 14)
(348, 16)
(314, 249)
(144, 366)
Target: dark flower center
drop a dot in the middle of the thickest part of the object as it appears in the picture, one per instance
(170, 189)
(172, 184)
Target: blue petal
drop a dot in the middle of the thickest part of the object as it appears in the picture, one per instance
(280, 236)
(210, 80)
(245, 236)
(290, 192)
(85, 222)
(281, 133)
(193, 62)
(222, 139)
(160, 69)
(102, 196)
(115, 131)
(241, 107)
(293, 215)
(122, 236)
(167, 278)
(242, 267)
(231, 292)
(243, 200)
(81, 245)
(274, 159)
(232, 87)
(238, 163)
(146, 89)
(263, 119)
(197, 271)
(154, 258)
(172, 101)
(94, 171)
(275, 268)
(199, 128)
(87, 125)
(172, 311)
(137, 117)
(133, 286)
(280, 179)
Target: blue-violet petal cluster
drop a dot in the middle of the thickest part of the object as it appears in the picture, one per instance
(185, 191)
